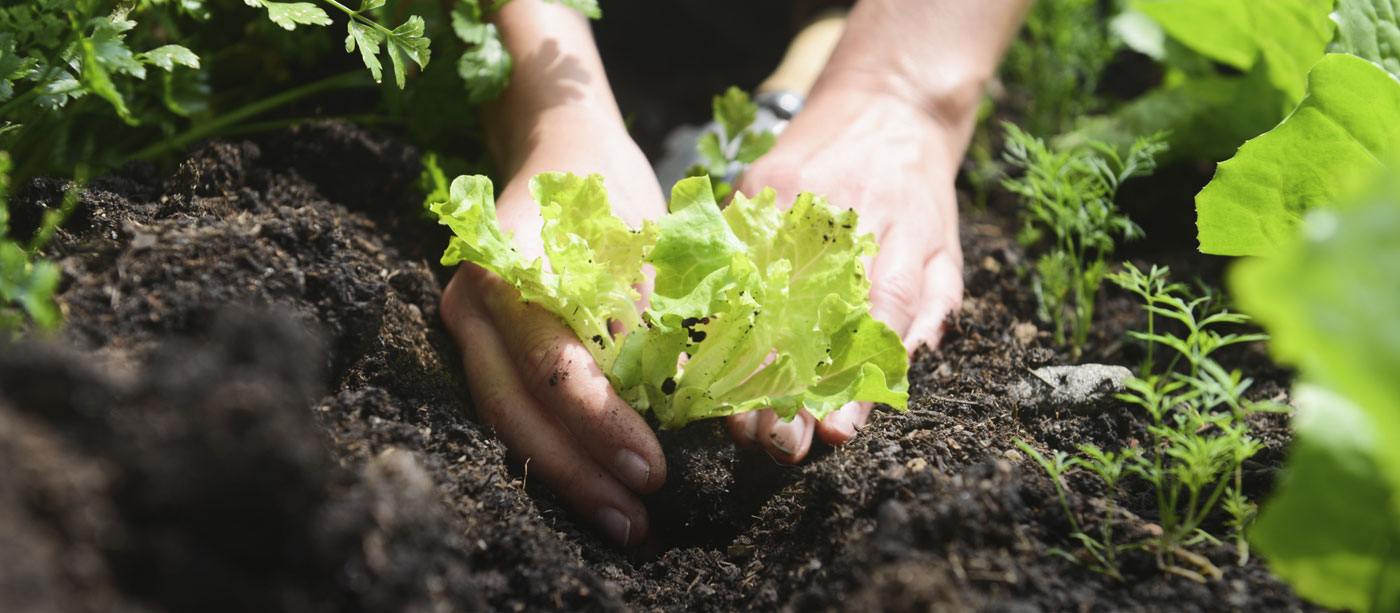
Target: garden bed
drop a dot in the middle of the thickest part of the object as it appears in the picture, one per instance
(253, 406)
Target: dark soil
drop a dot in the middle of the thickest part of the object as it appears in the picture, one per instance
(254, 407)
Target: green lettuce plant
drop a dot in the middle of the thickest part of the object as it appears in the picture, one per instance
(733, 288)
(1316, 196)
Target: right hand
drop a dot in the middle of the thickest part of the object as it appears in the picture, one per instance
(529, 376)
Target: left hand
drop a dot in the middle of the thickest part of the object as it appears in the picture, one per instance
(895, 165)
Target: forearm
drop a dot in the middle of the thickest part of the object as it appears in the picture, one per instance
(935, 55)
(557, 87)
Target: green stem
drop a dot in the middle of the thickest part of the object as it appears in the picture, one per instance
(232, 118)
(1210, 501)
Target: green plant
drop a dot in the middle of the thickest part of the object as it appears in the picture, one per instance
(731, 286)
(1328, 291)
(1052, 70)
(1199, 437)
(1154, 290)
(1231, 69)
(1199, 434)
(1330, 297)
(27, 285)
(728, 150)
(1068, 201)
(1325, 152)
(84, 82)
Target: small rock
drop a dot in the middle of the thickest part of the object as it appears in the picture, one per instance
(1082, 388)
(1024, 332)
(991, 265)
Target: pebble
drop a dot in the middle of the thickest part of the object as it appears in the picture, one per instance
(1083, 388)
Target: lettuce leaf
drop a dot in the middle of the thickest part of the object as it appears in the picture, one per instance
(1330, 300)
(1340, 135)
(770, 308)
(1369, 29)
(1286, 36)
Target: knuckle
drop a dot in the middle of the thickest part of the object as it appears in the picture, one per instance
(898, 290)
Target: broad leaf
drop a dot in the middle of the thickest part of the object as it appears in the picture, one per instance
(289, 15)
(1344, 129)
(368, 40)
(487, 66)
(1332, 527)
(1286, 35)
(168, 56)
(1331, 301)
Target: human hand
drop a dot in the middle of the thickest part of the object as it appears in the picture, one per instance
(895, 165)
(530, 377)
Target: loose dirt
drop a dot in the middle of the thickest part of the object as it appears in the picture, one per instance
(253, 406)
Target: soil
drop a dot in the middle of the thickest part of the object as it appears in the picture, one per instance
(253, 406)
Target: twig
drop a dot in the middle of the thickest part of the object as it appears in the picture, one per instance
(1042, 378)
(954, 400)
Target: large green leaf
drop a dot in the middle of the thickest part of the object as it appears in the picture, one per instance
(1345, 129)
(1286, 35)
(1370, 29)
(1204, 117)
(1330, 300)
(1331, 527)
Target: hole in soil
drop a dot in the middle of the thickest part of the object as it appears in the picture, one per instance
(713, 490)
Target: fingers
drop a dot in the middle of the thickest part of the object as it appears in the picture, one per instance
(839, 427)
(942, 293)
(743, 428)
(561, 374)
(897, 279)
(535, 434)
(787, 442)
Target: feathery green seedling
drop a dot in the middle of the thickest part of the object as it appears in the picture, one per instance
(1068, 202)
(1199, 437)
(1104, 552)
(1199, 434)
(1151, 287)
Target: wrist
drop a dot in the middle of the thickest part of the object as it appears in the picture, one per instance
(516, 138)
(557, 88)
(935, 55)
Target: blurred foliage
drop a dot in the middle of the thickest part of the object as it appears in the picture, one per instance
(87, 85)
(90, 82)
(1053, 69)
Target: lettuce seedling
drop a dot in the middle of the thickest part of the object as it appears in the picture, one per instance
(770, 308)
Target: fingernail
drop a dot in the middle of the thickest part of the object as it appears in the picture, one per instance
(632, 469)
(841, 421)
(787, 435)
(615, 524)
